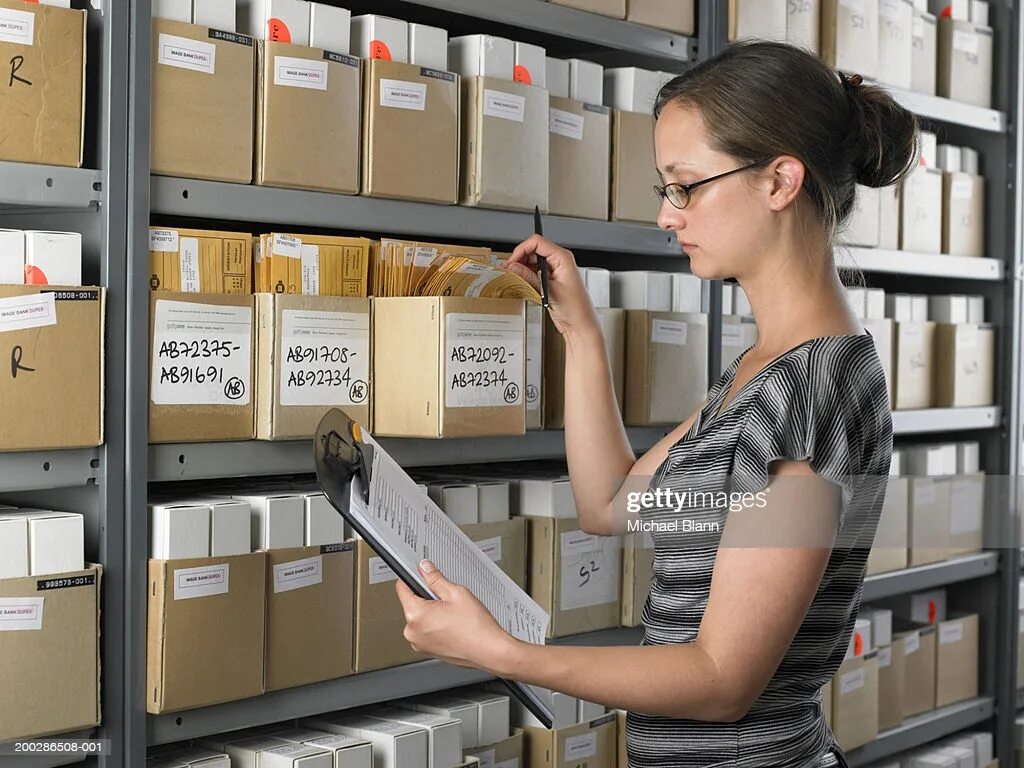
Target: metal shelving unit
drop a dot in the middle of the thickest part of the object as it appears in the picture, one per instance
(908, 263)
(927, 420)
(930, 576)
(38, 470)
(49, 186)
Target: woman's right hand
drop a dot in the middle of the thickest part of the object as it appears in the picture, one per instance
(571, 309)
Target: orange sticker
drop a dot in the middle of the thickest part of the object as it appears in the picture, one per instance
(858, 644)
(278, 32)
(379, 50)
(522, 75)
(932, 611)
(35, 276)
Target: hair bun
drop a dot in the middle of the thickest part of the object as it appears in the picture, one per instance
(883, 135)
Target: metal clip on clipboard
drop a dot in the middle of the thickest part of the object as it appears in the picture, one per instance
(341, 455)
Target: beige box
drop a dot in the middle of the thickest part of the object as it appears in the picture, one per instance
(855, 701)
(47, 334)
(956, 659)
(50, 678)
(890, 551)
(914, 353)
(673, 15)
(881, 330)
(929, 540)
(634, 168)
(895, 43)
(738, 334)
(889, 217)
(505, 543)
(614, 8)
(309, 615)
(44, 103)
(201, 373)
(461, 376)
(966, 513)
(637, 573)
(505, 144)
(507, 752)
(308, 119)
(205, 631)
(918, 666)
(410, 133)
(890, 685)
(850, 37)
(762, 19)
(964, 372)
(586, 745)
(963, 214)
(535, 321)
(579, 178)
(313, 354)
(921, 211)
(965, 62)
(865, 221)
(924, 55)
(666, 366)
(200, 261)
(574, 576)
(803, 25)
(202, 104)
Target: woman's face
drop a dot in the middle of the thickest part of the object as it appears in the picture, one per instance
(723, 228)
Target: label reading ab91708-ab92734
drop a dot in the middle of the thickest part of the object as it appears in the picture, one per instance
(325, 358)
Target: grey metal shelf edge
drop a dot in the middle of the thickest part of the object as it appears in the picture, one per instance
(1020, 699)
(949, 111)
(49, 186)
(36, 470)
(248, 458)
(883, 261)
(343, 693)
(929, 576)
(945, 419)
(922, 729)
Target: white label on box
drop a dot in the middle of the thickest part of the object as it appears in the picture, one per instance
(534, 358)
(961, 189)
(513, 763)
(967, 337)
(507, 106)
(424, 256)
(732, 335)
(325, 357)
(401, 94)
(286, 245)
(911, 643)
(924, 493)
(580, 747)
(668, 332)
(884, 657)
(890, 9)
(491, 548)
(300, 73)
(964, 514)
(19, 313)
(966, 42)
(379, 571)
(17, 27)
(951, 633)
(851, 681)
(188, 261)
(202, 354)
(857, 6)
(918, 28)
(589, 572)
(484, 360)
(566, 124)
(21, 614)
(163, 240)
(310, 255)
(204, 581)
(181, 52)
(486, 758)
(298, 574)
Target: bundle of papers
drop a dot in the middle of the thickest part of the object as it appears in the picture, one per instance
(312, 265)
(459, 276)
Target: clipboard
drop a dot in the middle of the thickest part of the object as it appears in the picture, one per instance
(341, 455)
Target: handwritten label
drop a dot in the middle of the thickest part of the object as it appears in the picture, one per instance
(310, 255)
(951, 633)
(20, 313)
(961, 189)
(884, 657)
(567, 124)
(851, 681)
(17, 27)
(300, 73)
(184, 53)
(203, 581)
(298, 574)
(911, 643)
(325, 358)
(400, 94)
(507, 106)
(379, 571)
(424, 256)
(19, 614)
(484, 360)
(668, 332)
(924, 492)
(589, 569)
(580, 747)
(965, 42)
(534, 356)
(163, 240)
(491, 548)
(188, 262)
(202, 354)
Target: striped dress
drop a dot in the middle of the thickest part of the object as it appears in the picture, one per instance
(824, 401)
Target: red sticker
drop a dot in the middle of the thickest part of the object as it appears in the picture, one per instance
(35, 276)
(858, 644)
(379, 50)
(278, 32)
(947, 13)
(522, 75)
(932, 611)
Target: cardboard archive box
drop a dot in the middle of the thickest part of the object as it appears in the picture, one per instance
(666, 366)
(956, 659)
(579, 183)
(634, 168)
(964, 365)
(889, 551)
(918, 665)
(965, 59)
(535, 319)
(914, 353)
(505, 542)
(890, 685)
(637, 571)
(593, 744)
(963, 214)
(855, 701)
(929, 530)
(849, 36)
(672, 15)
(761, 19)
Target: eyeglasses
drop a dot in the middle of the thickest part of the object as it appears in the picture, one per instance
(679, 194)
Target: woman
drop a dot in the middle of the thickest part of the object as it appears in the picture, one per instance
(760, 149)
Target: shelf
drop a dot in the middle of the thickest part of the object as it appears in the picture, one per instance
(949, 111)
(204, 461)
(929, 576)
(884, 261)
(48, 186)
(298, 208)
(346, 692)
(944, 420)
(922, 729)
(36, 470)
(1020, 699)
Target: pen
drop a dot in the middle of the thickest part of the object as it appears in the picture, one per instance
(542, 262)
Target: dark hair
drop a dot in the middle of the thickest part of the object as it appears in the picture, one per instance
(761, 99)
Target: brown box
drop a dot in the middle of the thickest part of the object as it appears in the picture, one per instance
(918, 666)
(637, 571)
(507, 752)
(666, 366)
(889, 552)
(855, 701)
(564, 581)
(379, 619)
(849, 37)
(890, 685)
(50, 678)
(614, 8)
(431, 384)
(966, 513)
(505, 144)
(634, 168)
(964, 372)
(205, 631)
(505, 542)
(308, 118)
(410, 133)
(202, 103)
(585, 745)
(881, 334)
(921, 211)
(956, 659)
(56, 367)
(762, 19)
(535, 366)
(914, 353)
(963, 214)
(580, 159)
(929, 540)
(965, 62)
(200, 261)
(673, 15)
(42, 120)
(924, 55)
(201, 377)
(312, 265)
(310, 597)
(312, 354)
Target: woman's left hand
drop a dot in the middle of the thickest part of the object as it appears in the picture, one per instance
(456, 627)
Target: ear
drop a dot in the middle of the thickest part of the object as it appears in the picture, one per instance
(787, 181)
